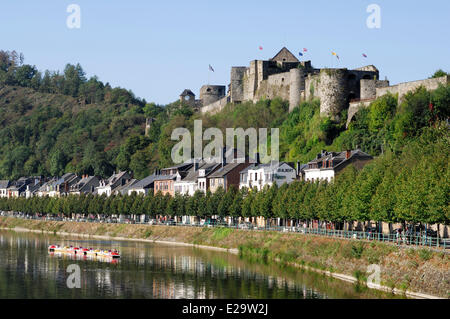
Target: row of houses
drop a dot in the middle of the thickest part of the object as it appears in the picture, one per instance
(190, 177)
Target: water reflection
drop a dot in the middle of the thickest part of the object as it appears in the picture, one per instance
(84, 257)
(27, 270)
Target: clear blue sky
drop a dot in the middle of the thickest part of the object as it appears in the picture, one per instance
(159, 48)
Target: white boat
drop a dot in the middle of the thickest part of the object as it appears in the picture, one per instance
(81, 251)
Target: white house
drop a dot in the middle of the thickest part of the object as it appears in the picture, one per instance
(327, 164)
(186, 182)
(111, 184)
(3, 188)
(144, 186)
(203, 176)
(260, 175)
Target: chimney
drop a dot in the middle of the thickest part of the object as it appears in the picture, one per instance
(258, 159)
(224, 156)
(297, 168)
(348, 153)
(195, 165)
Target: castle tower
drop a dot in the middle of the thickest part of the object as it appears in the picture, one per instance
(237, 85)
(211, 93)
(333, 91)
(297, 85)
(187, 98)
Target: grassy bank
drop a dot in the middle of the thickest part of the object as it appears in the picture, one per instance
(416, 270)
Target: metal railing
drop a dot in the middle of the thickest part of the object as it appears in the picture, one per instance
(403, 239)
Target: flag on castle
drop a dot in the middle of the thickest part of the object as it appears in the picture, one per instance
(211, 68)
(301, 54)
(364, 55)
(305, 50)
(335, 54)
(260, 47)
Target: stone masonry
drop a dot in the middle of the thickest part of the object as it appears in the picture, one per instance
(295, 81)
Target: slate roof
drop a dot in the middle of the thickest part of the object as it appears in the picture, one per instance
(165, 177)
(267, 166)
(223, 171)
(187, 92)
(285, 52)
(51, 182)
(115, 177)
(124, 189)
(144, 183)
(181, 167)
(79, 186)
(192, 175)
(338, 158)
(4, 184)
(34, 188)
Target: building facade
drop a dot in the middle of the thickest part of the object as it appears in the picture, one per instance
(327, 164)
(261, 175)
(107, 187)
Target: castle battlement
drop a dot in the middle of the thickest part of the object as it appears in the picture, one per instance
(295, 81)
(286, 77)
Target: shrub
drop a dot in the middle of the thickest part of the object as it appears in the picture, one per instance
(357, 250)
(425, 254)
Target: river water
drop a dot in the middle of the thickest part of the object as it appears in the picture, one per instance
(154, 271)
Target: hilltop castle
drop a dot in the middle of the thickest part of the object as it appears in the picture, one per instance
(286, 77)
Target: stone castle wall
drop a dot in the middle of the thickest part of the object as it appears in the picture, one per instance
(403, 88)
(217, 106)
(369, 88)
(354, 108)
